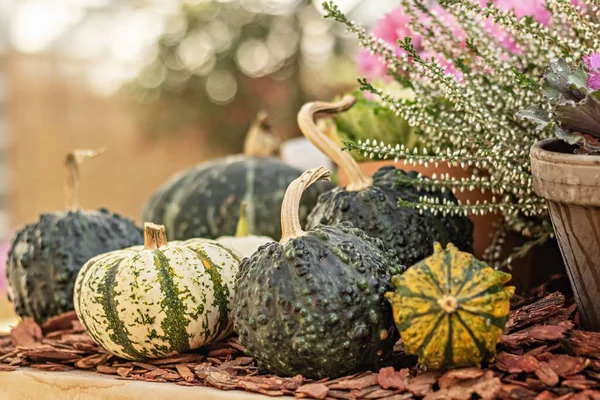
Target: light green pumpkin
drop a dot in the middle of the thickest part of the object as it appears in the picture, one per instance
(158, 299)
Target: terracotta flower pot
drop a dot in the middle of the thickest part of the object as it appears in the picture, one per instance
(483, 225)
(571, 185)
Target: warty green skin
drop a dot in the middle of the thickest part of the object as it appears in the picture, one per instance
(141, 304)
(315, 306)
(205, 201)
(375, 210)
(46, 256)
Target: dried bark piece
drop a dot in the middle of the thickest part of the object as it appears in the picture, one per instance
(403, 396)
(546, 395)
(340, 394)
(379, 394)
(62, 321)
(105, 369)
(222, 353)
(77, 338)
(567, 366)
(513, 363)
(451, 377)
(147, 366)
(422, 384)
(314, 390)
(5, 367)
(536, 312)
(255, 387)
(52, 367)
(92, 361)
(178, 359)
(124, 371)
(26, 333)
(356, 383)
(547, 374)
(580, 383)
(51, 353)
(389, 378)
(87, 347)
(185, 372)
(583, 343)
(237, 362)
(77, 327)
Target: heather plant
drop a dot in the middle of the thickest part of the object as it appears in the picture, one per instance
(472, 68)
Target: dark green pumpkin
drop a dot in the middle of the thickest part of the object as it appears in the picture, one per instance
(372, 204)
(314, 303)
(46, 256)
(205, 201)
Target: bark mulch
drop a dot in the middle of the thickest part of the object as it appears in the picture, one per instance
(541, 356)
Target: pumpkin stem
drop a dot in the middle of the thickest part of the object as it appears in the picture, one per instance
(154, 236)
(260, 140)
(290, 217)
(242, 229)
(73, 162)
(306, 121)
(448, 303)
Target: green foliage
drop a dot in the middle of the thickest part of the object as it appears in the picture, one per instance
(575, 107)
(472, 120)
(370, 119)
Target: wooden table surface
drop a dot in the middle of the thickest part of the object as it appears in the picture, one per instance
(32, 384)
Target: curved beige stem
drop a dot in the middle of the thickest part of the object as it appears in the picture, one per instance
(290, 218)
(260, 140)
(306, 121)
(73, 162)
(154, 236)
(242, 229)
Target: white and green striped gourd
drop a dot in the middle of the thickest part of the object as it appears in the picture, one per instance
(158, 299)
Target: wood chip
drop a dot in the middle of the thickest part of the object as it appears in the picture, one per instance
(52, 367)
(356, 383)
(547, 374)
(451, 377)
(314, 390)
(62, 321)
(105, 369)
(584, 343)
(124, 371)
(566, 366)
(26, 333)
(388, 378)
(422, 384)
(535, 312)
(185, 372)
(92, 361)
(513, 363)
(4, 367)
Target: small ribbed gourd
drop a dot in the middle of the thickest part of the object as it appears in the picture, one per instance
(158, 299)
(244, 241)
(451, 308)
(46, 256)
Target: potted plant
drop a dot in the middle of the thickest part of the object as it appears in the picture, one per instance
(566, 172)
(472, 68)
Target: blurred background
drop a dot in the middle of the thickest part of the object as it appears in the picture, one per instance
(163, 84)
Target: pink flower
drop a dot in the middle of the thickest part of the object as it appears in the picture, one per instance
(395, 26)
(370, 66)
(522, 8)
(592, 64)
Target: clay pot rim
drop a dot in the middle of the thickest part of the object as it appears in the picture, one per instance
(540, 152)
